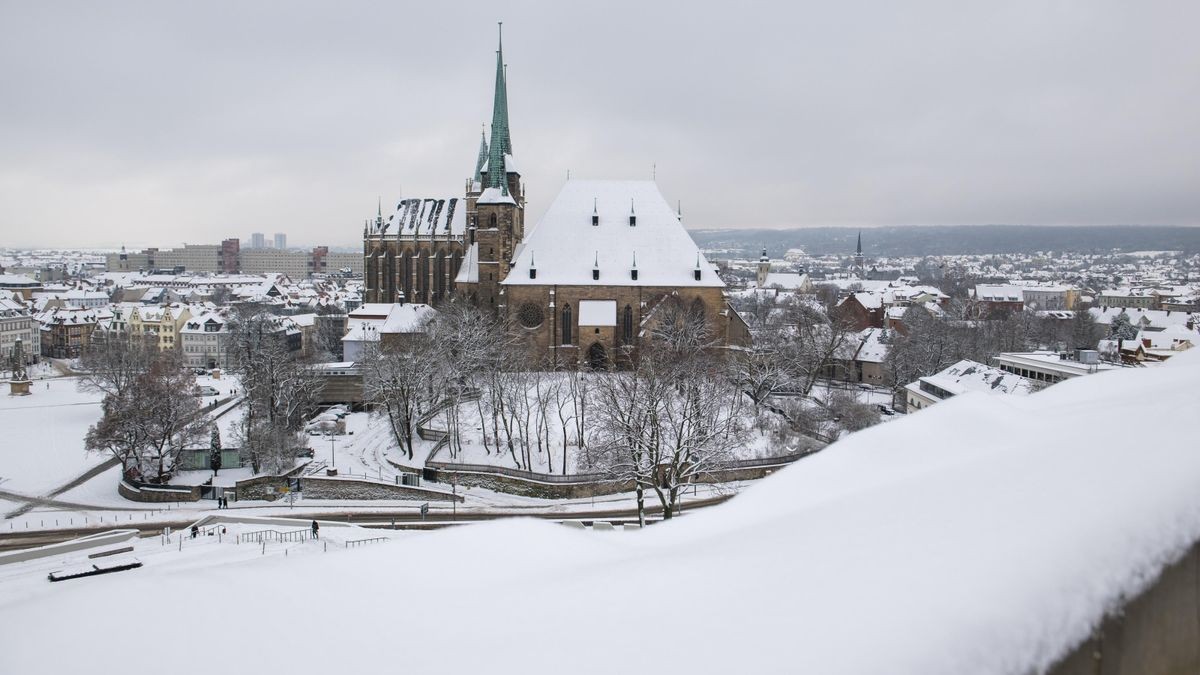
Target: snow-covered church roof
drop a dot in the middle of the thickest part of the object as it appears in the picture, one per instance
(425, 217)
(564, 247)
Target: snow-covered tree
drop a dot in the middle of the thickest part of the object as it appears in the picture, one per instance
(214, 450)
(397, 383)
(153, 418)
(281, 392)
(1122, 328)
(111, 364)
(673, 418)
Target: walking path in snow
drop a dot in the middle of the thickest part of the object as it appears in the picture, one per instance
(46, 500)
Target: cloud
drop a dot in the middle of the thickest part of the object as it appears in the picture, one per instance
(155, 123)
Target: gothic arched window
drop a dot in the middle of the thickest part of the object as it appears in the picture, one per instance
(627, 326)
(566, 325)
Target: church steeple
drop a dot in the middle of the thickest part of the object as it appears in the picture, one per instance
(859, 261)
(501, 142)
(482, 158)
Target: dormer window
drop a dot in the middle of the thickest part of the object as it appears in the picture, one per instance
(595, 213)
(595, 274)
(697, 274)
(632, 215)
(532, 272)
(633, 274)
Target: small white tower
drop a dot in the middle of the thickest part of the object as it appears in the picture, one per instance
(764, 268)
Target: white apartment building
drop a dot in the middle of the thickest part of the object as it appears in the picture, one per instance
(205, 341)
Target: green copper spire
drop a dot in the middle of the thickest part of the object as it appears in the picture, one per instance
(482, 158)
(501, 143)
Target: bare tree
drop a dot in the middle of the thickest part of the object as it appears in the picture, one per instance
(113, 363)
(814, 345)
(397, 383)
(153, 418)
(671, 420)
(280, 391)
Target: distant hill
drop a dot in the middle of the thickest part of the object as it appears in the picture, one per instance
(951, 239)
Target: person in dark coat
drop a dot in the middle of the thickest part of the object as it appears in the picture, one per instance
(315, 528)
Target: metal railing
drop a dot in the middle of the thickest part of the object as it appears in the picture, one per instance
(260, 536)
(352, 543)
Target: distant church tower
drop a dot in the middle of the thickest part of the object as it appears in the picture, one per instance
(764, 268)
(859, 263)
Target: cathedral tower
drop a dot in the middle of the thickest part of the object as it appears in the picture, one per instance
(499, 213)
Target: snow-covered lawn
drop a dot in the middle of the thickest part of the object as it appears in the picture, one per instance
(42, 446)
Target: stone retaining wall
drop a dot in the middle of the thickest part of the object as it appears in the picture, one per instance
(265, 488)
(152, 493)
(547, 490)
(531, 488)
(322, 487)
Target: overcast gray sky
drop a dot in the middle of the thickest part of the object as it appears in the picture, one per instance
(157, 123)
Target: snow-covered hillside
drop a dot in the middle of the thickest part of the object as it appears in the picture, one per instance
(985, 535)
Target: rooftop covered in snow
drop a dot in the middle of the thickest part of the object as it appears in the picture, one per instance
(588, 227)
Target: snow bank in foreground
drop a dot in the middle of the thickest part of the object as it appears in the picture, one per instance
(985, 535)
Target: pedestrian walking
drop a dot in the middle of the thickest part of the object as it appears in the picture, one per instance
(315, 528)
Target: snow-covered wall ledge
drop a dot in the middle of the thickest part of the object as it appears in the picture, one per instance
(1155, 633)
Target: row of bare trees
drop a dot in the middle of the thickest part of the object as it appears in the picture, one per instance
(676, 414)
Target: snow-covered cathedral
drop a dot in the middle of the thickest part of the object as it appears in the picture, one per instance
(586, 282)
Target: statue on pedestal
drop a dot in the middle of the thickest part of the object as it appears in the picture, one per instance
(18, 384)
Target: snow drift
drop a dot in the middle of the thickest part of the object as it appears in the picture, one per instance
(984, 535)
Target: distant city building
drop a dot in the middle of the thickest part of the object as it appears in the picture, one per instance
(205, 341)
(1047, 366)
(16, 323)
(258, 240)
(788, 281)
(962, 377)
(280, 241)
(221, 257)
(229, 258)
(19, 284)
(66, 332)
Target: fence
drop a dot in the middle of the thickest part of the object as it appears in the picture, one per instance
(260, 536)
(352, 543)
